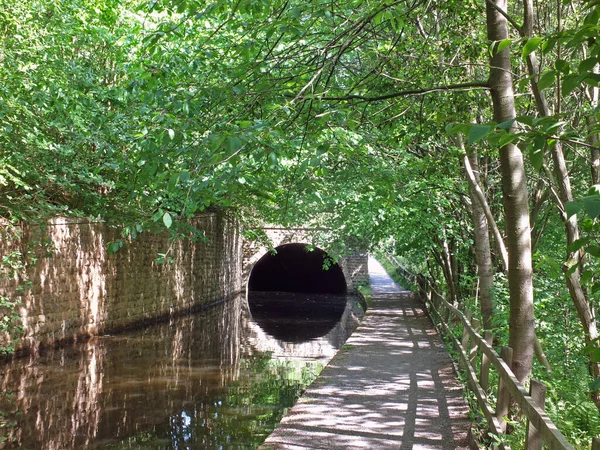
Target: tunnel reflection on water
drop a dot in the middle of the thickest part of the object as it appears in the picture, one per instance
(211, 380)
(296, 317)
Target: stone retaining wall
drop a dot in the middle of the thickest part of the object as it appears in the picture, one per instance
(78, 289)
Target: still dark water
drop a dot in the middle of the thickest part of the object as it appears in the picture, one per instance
(218, 379)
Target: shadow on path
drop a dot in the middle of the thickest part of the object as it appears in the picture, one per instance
(391, 387)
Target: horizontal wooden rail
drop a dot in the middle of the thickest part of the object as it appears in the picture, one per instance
(540, 427)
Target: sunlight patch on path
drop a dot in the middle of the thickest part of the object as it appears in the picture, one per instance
(391, 387)
(381, 282)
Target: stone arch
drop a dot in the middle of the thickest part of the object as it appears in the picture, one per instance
(297, 267)
(353, 265)
(290, 295)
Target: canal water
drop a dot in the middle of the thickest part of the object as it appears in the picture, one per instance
(218, 379)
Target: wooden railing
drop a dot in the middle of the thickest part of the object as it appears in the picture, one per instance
(474, 351)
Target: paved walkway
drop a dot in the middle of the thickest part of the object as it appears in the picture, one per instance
(391, 387)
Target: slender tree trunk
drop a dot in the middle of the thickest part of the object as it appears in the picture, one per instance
(516, 206)
(478, 194)
(539, 199)
(446, 264)
(594, 138)
(594, 141)
(483, 255)
(584, 309)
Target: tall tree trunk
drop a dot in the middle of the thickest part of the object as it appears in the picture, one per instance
(515, 197)
(584, 309)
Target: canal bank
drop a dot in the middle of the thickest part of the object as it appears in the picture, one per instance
(211, 380)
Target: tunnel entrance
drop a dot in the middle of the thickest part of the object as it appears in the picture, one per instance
(293, 268)
(292, 297)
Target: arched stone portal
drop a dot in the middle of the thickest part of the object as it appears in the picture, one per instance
(297, 268)
(353, 265)
(296, 293)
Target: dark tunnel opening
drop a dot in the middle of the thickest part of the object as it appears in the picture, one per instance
(292, 297)
(293, 268)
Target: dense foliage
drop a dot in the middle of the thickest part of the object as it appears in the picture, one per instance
(353, 115)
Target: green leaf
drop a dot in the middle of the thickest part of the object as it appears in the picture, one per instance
(587, 65)
(578, 244)
(497, 47)
(478, 132)
(158, 215)
(586, 276)
(530, 46)
(593, 17)
(536, 155)
(547, 79)
(185, 176)
(592, 79)
(593, 250)
(114, 246)
(595, 357)
(506, 125)
(570, 83)
(171, 133)
(526, 120)
(273, 158)
(167, 220)
(539, 142)
(562, 66)
(173, 182)
(233, 144)
(507, 139)
(572, 208)
(591, 204)
(454, 128)
(548, 45)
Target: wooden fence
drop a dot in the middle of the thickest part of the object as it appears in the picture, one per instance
(474, 351)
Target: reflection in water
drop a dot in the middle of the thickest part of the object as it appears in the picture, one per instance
(210, 380)
(296, 317)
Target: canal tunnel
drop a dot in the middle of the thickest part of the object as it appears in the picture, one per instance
(293, 297)
(297, 268)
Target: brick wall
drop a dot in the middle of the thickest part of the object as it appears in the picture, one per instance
(78, 289)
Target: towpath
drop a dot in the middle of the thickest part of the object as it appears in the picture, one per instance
(392, 386)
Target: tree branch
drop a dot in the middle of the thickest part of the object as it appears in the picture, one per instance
(512, 21)
(449, 87)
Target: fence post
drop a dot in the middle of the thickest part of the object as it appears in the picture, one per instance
(537, 390)
(503, 395)
(484, 374)
(446, 314)
(596, 443)
(465, 338)
(473, 347)
(440, 306)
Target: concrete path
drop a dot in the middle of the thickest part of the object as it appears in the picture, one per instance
(392, 386)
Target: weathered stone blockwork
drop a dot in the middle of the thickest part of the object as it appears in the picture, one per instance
(354, 265)
(78, 289)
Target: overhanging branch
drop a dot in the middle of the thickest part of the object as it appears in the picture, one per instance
(449, 87)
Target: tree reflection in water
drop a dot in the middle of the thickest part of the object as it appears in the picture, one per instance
(209, 380)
